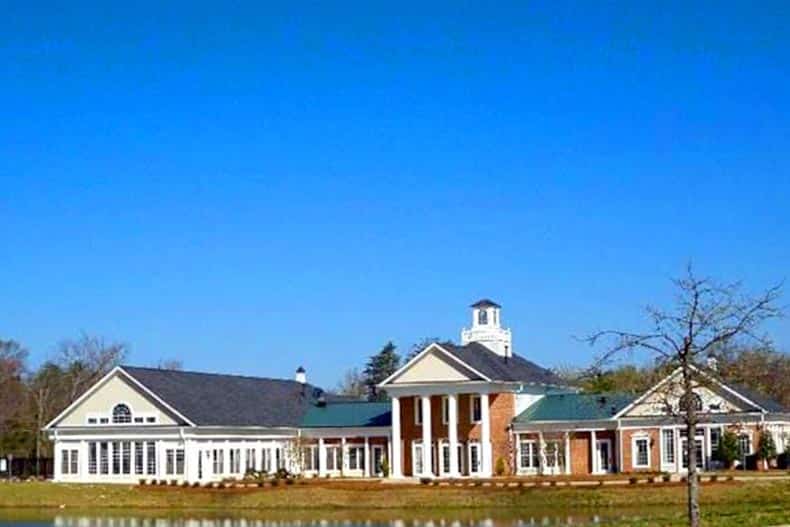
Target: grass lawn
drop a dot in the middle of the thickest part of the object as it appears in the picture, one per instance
(731, 503)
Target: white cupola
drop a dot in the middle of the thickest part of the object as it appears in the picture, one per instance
(487, 328)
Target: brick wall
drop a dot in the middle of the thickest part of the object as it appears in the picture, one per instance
(501, 410)
(655, 461)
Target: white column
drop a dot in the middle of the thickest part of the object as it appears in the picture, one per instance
(707, 449)
(567, 453)
(343, 456)
(426, 436)
(452, 433)
(272, 457)
(367, 457)
(485, 436)
(57, 466)
(517, 449)
(541, 453)
(395, 442)
(321, 457)
(191, 458)
(594, 452)
(678, 452)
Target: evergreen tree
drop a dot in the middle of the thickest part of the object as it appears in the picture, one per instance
(728, 449)
(766, 448)
(379, 367)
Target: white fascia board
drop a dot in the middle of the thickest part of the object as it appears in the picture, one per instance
(417, 357)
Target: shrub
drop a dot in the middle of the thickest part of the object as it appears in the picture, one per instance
(289, 481)
(173, 482)
(385, 467)
(633, 480)
(142, 481)
(163, 482)
(499, 467)
(651, 479)
(275, 482)
(196, 485)
(714, 478)
(666, 478)
(425, 481)
(184, 483)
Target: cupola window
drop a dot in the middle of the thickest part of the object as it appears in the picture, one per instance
(482, 317)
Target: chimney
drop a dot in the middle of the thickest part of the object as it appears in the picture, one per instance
(301, 375)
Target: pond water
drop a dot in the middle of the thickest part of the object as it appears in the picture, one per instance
(49, 518)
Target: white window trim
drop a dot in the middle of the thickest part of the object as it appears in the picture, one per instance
(469, 446)
(414, 457)
(635, 451)
(523, 468)
(472, 409)
(663, 450)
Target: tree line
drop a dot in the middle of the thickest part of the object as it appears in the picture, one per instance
(31, 397)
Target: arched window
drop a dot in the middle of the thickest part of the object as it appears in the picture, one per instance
(696, 400)
(482, 317)
(121, 414)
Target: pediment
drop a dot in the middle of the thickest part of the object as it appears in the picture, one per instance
(432, 367)
(665, 398)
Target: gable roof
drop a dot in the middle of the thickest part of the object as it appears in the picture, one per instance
(210, 399)
(349, 414)
(498, 368)
(575, 407)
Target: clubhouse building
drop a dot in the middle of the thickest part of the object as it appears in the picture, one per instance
(472, 410)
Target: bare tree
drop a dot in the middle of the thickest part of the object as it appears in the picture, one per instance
(86, 360)
(170, 364)
(352, 384)
(707, 318)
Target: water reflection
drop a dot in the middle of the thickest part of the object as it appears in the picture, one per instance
(529, 520)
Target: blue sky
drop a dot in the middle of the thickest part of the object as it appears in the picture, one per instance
(248, 187)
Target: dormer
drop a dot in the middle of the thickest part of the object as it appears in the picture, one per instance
(487, 328)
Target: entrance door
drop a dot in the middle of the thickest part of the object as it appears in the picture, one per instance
(378, 458)
(603, 449)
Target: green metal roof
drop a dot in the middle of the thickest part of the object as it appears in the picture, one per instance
(351, 414)
(575, 407)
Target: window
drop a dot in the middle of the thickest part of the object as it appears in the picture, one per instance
(482, 317)
(235, 460)
(445, 410)
(310, 457)
(138, 457)
(696, 400)
(126, 457)
(104, 420)
(150, 419)
(700, 461)
(476, 409)
(92, 458)
(116, 457)
(356, 458)
(151, 460)
(417, 458)
(138, 420)
(641, 452)
(170, 461)
(445, 457)
(474, 458)
(715, 440)
(418, 410)
(104, 454)
(333, 458)
(250, 460)
(552, 451)
(121, 414)
(218, 456)
(266, 460)
(744, 445)
(668, 446)
(528, 455)
(179, 461)
(92, 420)
(64, 461)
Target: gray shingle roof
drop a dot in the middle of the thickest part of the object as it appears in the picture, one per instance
(485, 302)
(765, 402)
(497, 368)
(211, 399)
